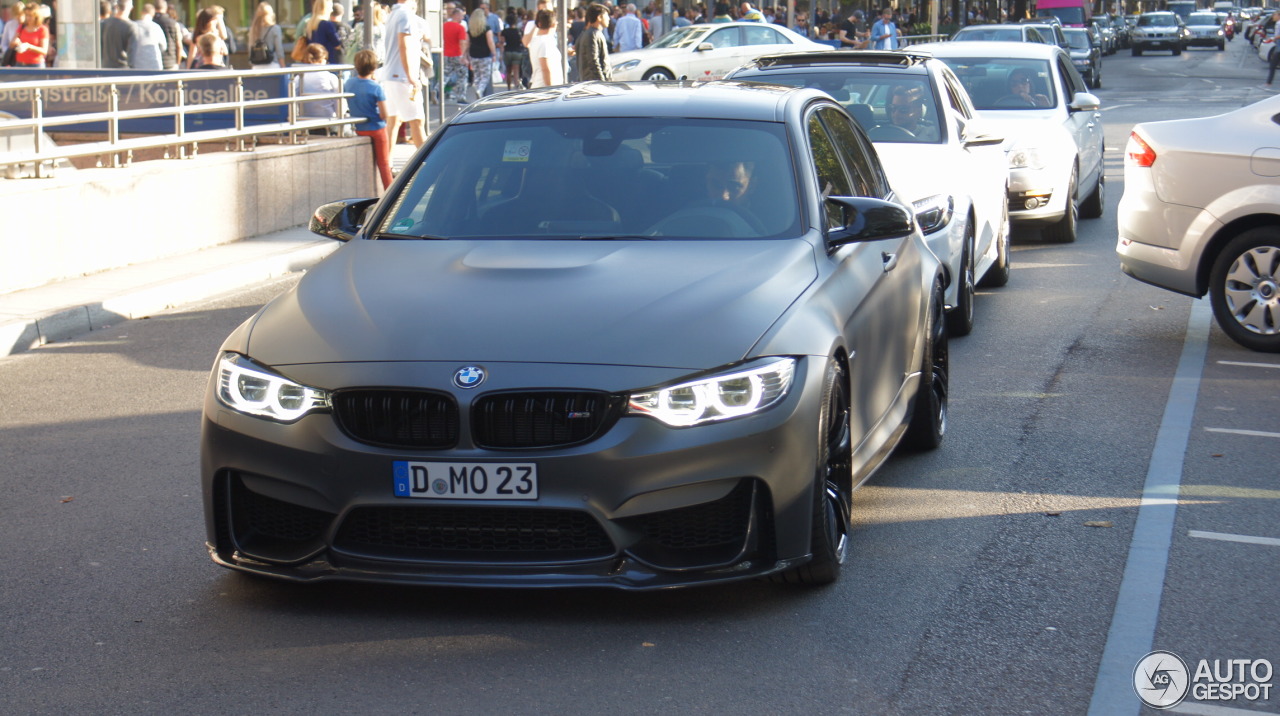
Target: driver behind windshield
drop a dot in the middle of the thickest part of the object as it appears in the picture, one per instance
(907, 112)
(1020, 87)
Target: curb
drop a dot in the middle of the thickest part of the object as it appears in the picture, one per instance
(67, 322)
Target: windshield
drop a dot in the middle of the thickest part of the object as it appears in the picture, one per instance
(1002, 83)
(682, 37)
(601, 178)
(1078, 39)
(1162, 20)
(1206, 18)
(997, 34)
(892, 108)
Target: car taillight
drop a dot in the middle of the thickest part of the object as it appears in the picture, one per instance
(1139, 152)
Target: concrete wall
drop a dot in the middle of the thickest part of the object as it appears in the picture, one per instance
(90, 220)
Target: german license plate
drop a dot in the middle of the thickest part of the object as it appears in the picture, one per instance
(466, 480)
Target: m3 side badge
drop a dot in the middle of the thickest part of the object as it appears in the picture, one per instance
(469, 376)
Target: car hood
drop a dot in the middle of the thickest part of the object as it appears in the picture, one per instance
(673, 304)
(1026, 128)
(917, 171)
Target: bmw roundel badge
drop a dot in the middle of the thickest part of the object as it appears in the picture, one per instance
(469, 376)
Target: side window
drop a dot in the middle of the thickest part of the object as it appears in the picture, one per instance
(1072, 82)
(762, 35)
(832, 181)
(727, 37)
(863, 171)
(958, 97)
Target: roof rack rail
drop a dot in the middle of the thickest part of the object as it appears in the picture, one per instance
(900, 58)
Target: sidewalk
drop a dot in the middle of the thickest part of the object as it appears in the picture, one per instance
(65, 309)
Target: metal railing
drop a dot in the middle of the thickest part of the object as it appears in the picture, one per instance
(116, 151)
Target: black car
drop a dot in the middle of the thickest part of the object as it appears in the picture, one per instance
(1086, 55)
(627, 335)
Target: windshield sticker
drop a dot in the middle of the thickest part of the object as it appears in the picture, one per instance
(402, 226)
(517, 150)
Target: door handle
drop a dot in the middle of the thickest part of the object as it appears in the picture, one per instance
(890, 261)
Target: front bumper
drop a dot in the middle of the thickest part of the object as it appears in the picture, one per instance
(1037, 196)
(642, 506)
(1157, 43)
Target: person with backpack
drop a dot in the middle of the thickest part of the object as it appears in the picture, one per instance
(266, 39)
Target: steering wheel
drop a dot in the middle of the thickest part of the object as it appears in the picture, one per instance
(889, 132)
(1014, 100)
(704, 222)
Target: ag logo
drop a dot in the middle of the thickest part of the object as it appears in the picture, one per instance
(1161, 679)
(469, 376)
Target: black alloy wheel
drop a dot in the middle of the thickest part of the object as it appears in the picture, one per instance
(929, 411)
(829, 538)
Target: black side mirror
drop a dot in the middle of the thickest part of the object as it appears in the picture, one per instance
(867, 219)
(340, 220)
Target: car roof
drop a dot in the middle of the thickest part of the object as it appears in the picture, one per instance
(997, 26)
(910, 62)
(1011, 50)
(720, 99)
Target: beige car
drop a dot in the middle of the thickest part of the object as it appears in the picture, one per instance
(1201, 217)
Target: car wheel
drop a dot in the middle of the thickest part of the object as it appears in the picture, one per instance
(1064, 231)
(1095, 203)
(1177, 51)
(829, 538)
(998, 274)
(1222, 46)
(1137, 52)
(658, 74)
(1244, 288)
(960, 317)
(929, 408)
(1097, 79)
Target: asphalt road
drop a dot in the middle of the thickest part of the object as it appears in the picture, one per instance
(983, 578)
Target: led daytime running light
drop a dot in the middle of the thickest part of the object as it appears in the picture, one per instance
(721, 397)
(248, 388)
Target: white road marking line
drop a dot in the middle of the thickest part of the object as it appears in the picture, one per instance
(1227, 537)
(1249, 365)
(1250, 433)
(1198, 709)
(1133, 624)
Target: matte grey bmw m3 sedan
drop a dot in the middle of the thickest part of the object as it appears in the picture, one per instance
(629, 335)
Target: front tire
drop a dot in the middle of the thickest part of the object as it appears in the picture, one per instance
(929, 410)
(960, 317)
(1093, 206)
(658, 74)
(1064, 231)
(1244, 288)
(829, 535)
(998, 274)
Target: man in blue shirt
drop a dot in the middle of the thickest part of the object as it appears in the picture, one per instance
(628, 31)
(884, 34)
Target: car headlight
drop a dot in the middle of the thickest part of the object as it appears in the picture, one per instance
(246, 387)
(1025, 158)
(720, 397)
(628, 65)
(934, 212)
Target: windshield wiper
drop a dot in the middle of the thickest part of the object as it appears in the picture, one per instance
(407, 237)
(618, 237)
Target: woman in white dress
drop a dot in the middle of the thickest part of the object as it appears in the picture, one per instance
(548, 65)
